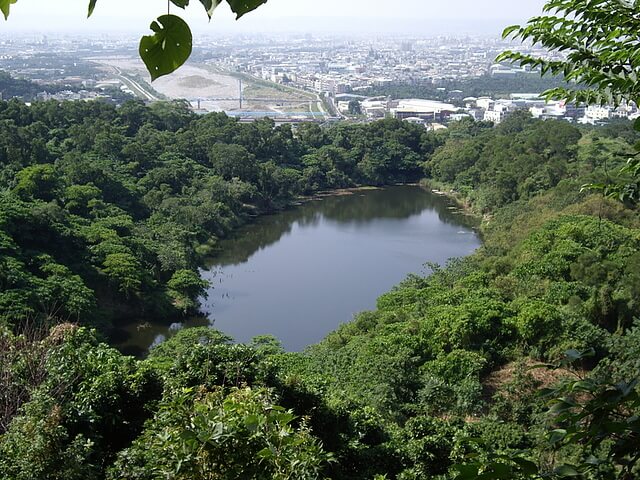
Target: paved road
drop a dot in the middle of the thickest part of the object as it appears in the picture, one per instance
(135, 86)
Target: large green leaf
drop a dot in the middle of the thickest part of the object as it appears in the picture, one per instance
(180, 3)
(240, 7)
(5, 5)
(92, 6)
(210, 6)
(168, 48)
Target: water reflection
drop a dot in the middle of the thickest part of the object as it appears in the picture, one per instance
(300, 273)
(355, 209)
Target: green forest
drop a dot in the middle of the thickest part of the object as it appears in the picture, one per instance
(457, 90)
(107, 212)
(17, 87)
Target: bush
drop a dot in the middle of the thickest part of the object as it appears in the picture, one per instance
(222, 436)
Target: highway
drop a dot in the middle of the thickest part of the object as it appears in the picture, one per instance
(309, 95)
(135, 86)
(245, 99)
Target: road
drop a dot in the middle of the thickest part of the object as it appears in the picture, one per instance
(135, 86)
(247, 99)
(309, 95)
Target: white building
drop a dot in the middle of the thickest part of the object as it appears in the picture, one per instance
(537, 112)
(430, 110)
(343, 107)
(374, 108)
(476, 113)
(596, 112)
(485, 103)
(494, 116)
(504, 70)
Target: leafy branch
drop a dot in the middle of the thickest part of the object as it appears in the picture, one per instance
(594, 43)
(170, 45)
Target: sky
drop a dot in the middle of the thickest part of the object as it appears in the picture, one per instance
(359, 16)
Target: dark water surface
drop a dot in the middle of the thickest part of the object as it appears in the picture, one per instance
(301, 273)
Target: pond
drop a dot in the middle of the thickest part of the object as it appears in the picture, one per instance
(300, 273)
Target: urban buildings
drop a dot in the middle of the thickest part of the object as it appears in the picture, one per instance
(335, 70)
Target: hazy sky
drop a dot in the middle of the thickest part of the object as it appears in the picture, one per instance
(439, 16)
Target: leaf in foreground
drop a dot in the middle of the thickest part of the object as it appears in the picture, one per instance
(168, 48)
(5, 5)
(210, 6)
(240, 7)
(92, 6)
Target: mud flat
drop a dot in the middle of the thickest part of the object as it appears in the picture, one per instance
(189, 82)
(211, 89)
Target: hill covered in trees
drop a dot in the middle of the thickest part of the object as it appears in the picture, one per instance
(106, 213)
(17, 87)
(485, 85)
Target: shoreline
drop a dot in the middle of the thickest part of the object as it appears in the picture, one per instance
(209, 252)
(339, 192)
(463, 204)
(464, 207)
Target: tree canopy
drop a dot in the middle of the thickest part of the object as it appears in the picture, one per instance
(107, 212)
(595, 44)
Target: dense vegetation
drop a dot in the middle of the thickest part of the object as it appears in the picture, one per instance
(18, 87)
(456, 90)
(27, 90)
(106, 212)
